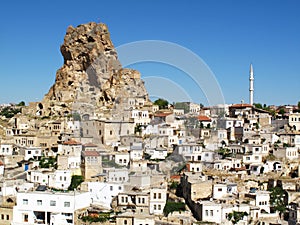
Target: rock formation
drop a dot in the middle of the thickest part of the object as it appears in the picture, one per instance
(92, 79)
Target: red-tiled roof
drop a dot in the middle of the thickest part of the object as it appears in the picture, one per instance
(71, 142)
(241, 105)
(1, 163)
(175, 177)
(204, 118)
(90, 153)
(90, 145)
(162, 114)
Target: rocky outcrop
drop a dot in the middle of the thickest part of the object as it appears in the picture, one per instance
(91, 79)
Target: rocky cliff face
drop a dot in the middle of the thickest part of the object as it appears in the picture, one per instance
(91, 79)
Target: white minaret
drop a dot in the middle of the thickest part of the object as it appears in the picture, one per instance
(251, 86)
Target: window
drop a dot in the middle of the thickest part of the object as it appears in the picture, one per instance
(125, 222)
(2, 216)
(66, 204)
(143, 200)
(219, 189)
(159, 195)
(159, 207)
(211, 213)
(154, 195)
(154, 207)
(120, 188)
(39, 202)
(52, 203)
(206, 212)
(25, 217)
(7, 217)
(25, 201)
(111, 188)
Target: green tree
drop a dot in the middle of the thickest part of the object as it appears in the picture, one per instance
(277, 197)
(48, 162)
(162, 103)
(281, 111)
(76, 116)
(138, 129)
(9, 112)
(224, 152)
(173, 206)
(75, 182)
(258, 105)
(22, 103)
(236, 216)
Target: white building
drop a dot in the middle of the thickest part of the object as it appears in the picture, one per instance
(255, 158)
(44, 207)
(217, 213)
(262, 149)
(122, 158)
(157, 153)
(208, 156)
(150, 129)
(294, 120)
(222, 190)
(158, 199)
(136, 151)
(191, 152)
(140, 117)
(292, 153)
(114, 175)
(32, 153)
(262, 200)
(228, 122)
(59, 179)
(1, 168)
(165, 129)
(71, 147)
(194, 166)
(6, 149)
(102, 193)
(194, 108)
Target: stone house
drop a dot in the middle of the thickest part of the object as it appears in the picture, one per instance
(136, 200)
(91, 164)
(131, 218)
(116, 175)
(195, 187)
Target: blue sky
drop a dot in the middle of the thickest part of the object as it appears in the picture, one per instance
(227, 35)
